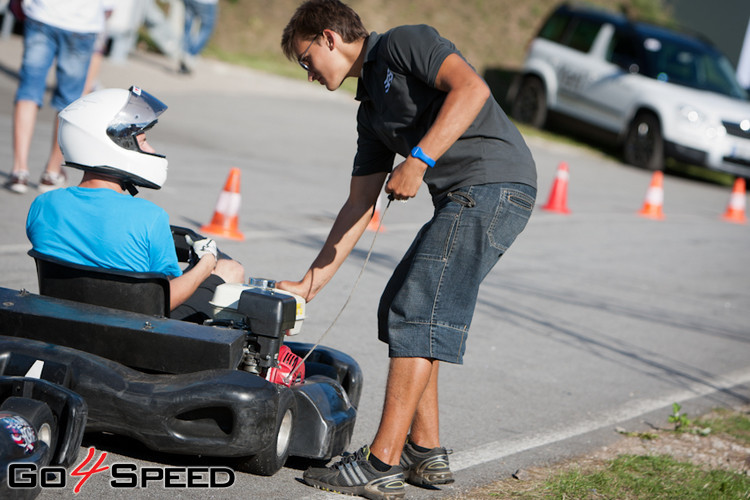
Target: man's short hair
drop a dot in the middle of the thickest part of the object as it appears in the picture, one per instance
(314, 16)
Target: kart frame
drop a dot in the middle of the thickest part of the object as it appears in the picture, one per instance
(177, 387)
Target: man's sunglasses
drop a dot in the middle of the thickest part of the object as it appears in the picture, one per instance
(301, 59)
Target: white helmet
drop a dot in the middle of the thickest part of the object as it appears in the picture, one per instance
(97, 132)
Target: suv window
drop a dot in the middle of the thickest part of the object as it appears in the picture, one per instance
(554, 28)
(582, 34)
(692, 66)
(624, 51)
(575, 32)
(671, 60)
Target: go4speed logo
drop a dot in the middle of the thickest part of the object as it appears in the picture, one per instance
(121, 475)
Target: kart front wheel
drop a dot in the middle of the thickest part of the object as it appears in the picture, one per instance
(38, 415)
(270, 460)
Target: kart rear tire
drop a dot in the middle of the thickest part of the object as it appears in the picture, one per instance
(39, 415)
(269, 461)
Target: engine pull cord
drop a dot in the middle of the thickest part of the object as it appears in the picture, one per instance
(290, 376)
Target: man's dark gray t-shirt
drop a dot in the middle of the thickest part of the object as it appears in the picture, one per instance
(399, 103)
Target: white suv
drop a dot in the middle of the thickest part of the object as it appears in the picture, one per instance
(657, 92)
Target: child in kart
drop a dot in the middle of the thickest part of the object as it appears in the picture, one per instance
(97, 224)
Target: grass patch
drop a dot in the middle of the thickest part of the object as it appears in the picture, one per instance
(638, 477)
(273, 64)
(269, 63)
(658, 474)
(697, 172)
(727, 422)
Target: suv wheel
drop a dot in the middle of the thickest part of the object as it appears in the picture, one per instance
(644, 145)
(530, 104)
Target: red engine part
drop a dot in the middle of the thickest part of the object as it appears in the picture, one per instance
(288, 363)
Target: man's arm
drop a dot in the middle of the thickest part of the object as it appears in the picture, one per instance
(466, 95)
(183, 286)
(350, 223)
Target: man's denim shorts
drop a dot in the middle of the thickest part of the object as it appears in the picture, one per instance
(428, 304)
(41, 45)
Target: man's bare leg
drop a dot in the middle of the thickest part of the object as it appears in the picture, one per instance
(55, 161)
(408, 379)
(230, 271)
(425, 462)
(425, 428)
(24, 119)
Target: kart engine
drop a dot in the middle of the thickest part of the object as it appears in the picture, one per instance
(267, 314)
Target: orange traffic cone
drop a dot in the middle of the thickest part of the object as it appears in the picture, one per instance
(558, 196)
(652, 205)
(224, 221)
(374, 224)
(736, 208)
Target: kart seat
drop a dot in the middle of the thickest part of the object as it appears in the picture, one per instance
(146, 293)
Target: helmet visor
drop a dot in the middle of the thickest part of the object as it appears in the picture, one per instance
(139, 114)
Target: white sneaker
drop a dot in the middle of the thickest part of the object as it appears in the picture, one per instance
(18, 182)
(50, 181)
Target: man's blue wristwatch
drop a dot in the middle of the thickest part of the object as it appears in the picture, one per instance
(420, 155)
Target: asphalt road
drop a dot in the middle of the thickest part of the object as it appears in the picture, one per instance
(592, 320)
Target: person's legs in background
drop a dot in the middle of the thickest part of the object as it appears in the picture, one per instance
(42, 44)
(73, 59)
(39, 50)
(195, 39)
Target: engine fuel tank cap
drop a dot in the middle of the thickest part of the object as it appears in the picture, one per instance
(262, 283)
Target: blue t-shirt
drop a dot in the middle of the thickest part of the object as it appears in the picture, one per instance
(102, 228)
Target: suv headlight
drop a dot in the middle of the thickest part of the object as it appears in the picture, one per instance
(697, 120)
(692, 115)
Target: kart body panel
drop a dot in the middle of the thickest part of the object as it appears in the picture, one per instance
(175, 386)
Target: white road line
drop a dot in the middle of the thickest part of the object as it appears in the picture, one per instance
(500, 449)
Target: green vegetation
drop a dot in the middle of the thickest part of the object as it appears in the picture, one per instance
(490, 33)
(657, 475)
(679, 419)
(727, 422)
(698, 173)
(641, 477)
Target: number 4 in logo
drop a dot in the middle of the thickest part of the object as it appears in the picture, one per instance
(85, 475)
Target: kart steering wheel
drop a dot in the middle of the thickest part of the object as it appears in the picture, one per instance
(184, 250)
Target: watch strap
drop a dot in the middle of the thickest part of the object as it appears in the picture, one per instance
(417, 153)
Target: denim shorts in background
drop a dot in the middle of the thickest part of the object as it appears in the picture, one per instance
(42, 44)
(427, 306)
(201, 13)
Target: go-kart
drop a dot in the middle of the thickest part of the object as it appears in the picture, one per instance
(231, 387)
